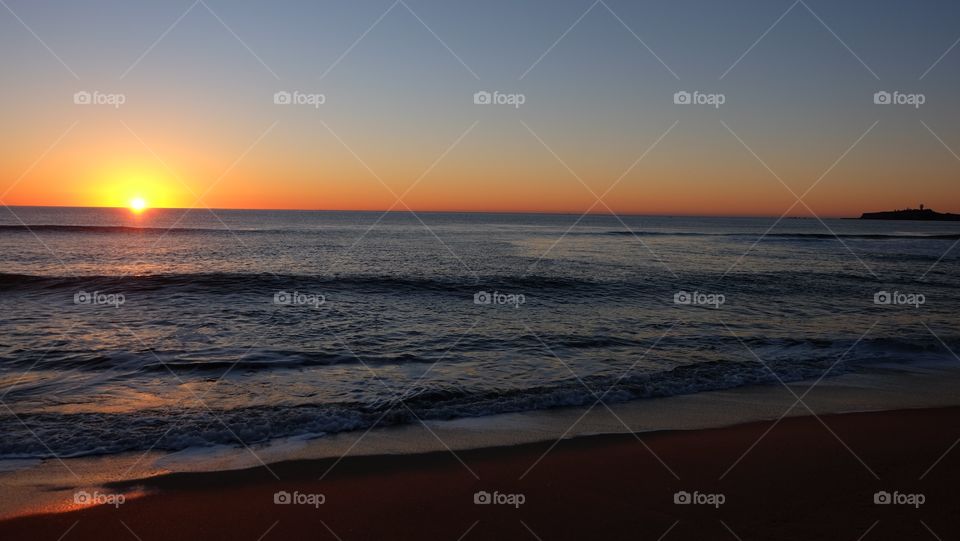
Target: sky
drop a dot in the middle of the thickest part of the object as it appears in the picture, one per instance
(187, 114)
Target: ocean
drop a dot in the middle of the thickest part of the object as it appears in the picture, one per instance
(177, 329)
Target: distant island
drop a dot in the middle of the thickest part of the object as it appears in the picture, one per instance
(923, 214)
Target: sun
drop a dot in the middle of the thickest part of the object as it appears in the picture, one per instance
(138, 204)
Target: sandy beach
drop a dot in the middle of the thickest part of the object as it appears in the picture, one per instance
(797, 479)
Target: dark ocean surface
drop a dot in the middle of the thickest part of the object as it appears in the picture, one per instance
(175, 329)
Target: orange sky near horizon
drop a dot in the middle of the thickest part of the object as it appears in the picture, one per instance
(265, 161)
(519, 180)
(117, 187)
(292, 162)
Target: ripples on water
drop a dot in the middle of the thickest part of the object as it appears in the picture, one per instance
(200, 353)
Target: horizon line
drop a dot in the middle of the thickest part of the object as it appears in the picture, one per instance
(390, 211)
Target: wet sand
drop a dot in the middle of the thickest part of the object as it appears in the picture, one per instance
(803, 480)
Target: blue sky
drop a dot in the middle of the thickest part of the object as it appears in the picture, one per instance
(595, 95)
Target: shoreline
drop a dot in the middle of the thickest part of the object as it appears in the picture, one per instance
(614, 485)
(49, 485)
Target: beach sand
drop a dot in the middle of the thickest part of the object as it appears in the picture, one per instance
(806, 478)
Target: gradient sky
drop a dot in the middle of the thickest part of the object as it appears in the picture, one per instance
(199, 126)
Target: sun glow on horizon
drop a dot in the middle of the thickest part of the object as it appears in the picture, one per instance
(138, 205)
(135, 187)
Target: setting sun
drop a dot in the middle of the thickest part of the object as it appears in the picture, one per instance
(138, 204)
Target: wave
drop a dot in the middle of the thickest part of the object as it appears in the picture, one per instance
(232, 282)
(166, 430)
(214, 360)
(54, 228)
(126, 229)
(800, 236)
(168, 291)
(274, 360)
(57, 228)
(175, 429)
